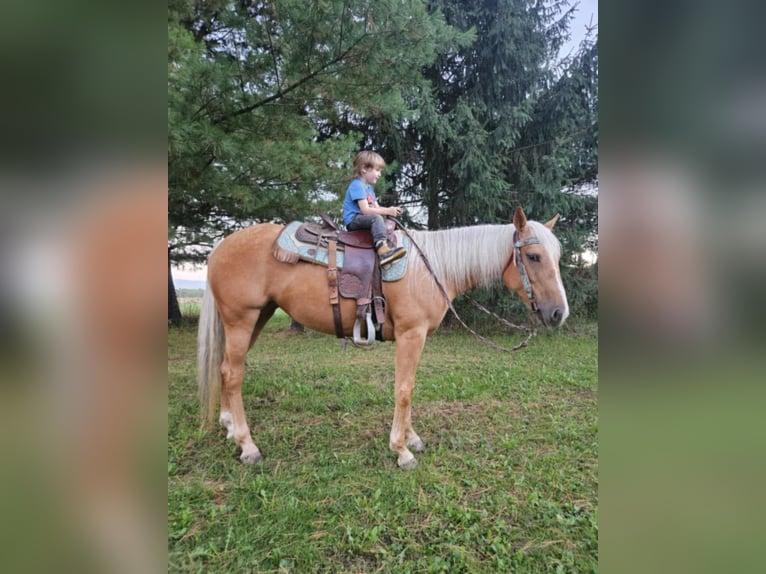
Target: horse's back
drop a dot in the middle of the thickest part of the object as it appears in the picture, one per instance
(240, 259)
(249, 241)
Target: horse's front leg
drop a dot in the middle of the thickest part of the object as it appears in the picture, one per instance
(409, 346)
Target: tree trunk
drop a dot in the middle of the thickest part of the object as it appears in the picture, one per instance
(174, 310)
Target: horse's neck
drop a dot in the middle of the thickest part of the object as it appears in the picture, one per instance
(467, 257)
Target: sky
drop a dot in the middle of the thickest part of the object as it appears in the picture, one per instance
(586, 14)
(188, 273)
(587, 10)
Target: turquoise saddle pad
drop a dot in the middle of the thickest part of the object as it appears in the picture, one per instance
(313, 253)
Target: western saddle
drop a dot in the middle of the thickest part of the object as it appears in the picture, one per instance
(359, 279)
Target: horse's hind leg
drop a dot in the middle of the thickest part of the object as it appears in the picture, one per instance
(225, 418)
(239, 339)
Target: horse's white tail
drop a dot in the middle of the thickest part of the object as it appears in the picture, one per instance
(210, 347)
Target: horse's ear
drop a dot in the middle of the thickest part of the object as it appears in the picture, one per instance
(552, 222)
(519, 219)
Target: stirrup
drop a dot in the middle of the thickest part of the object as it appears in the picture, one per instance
(358, 331)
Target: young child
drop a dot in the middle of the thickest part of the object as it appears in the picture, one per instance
(361, 209)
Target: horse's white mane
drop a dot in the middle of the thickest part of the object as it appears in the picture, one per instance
(469, 256)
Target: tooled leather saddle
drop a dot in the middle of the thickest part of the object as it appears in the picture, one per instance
(359, 278)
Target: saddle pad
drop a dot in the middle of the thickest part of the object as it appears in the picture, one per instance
(312, 253)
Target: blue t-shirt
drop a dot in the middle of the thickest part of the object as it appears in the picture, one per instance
(356, 190)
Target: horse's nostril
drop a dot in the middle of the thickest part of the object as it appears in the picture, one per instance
(556, 315)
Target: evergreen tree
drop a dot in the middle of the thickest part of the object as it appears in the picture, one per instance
(507, 125)
(253, 87)
(556, 165)
(481, 101)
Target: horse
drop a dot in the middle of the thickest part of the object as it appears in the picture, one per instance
(246, 285)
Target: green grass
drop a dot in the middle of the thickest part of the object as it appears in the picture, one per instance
(190, 308)
(508, 482)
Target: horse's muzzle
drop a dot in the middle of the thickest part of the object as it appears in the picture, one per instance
(552, 316)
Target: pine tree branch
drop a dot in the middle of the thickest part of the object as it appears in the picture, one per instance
(292, 87)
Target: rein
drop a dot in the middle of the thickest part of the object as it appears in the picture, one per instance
(525, 280)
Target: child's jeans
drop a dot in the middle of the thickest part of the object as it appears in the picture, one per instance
(374, 223)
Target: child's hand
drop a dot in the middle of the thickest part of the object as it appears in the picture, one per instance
(394, 211)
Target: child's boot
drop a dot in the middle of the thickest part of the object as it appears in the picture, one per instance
(388, 255)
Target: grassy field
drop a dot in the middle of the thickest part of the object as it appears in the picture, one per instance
(508, 482)
(190, 307)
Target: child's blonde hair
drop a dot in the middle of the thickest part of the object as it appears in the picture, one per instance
(367, 159)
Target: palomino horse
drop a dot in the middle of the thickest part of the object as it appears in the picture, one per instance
(246, 284)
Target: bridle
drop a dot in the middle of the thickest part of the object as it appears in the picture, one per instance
(519, 260)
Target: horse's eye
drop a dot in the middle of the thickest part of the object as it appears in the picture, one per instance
(533, 257)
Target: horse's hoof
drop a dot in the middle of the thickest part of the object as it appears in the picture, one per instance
(417, 446)
(251, 457)
(408, 464)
